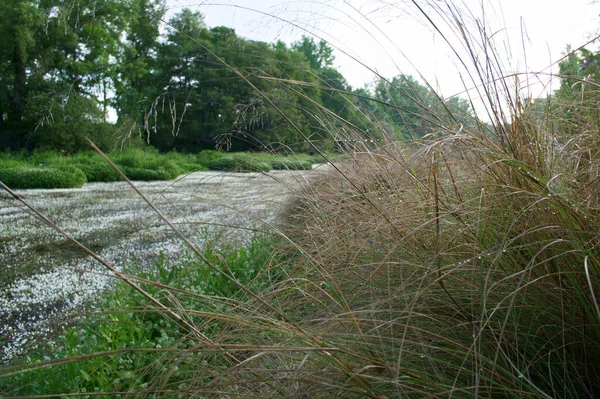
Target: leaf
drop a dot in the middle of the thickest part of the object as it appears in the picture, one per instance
(85, 375)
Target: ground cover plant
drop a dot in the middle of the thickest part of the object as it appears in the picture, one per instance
(128, 335)
(465, 264)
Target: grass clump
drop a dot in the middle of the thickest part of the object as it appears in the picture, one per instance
(291, 164)
(257, 162)
(50, 170)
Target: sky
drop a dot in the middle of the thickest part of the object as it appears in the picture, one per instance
(390, 37)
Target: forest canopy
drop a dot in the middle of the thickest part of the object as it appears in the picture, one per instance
(116, 73)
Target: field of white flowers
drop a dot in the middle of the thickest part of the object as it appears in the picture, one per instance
(44, 277)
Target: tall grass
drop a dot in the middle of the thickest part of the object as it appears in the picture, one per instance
(464, 265)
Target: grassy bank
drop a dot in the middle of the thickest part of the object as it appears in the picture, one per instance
(51, 170)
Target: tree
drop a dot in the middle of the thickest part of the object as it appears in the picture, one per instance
(58, 52)
(136, 77)
(183, 73)
(575, 103)
(20, 19)
(209, 104)
(410, 106)
(319, 56)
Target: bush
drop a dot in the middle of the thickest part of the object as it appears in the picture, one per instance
(238, 163)
(135, 157)
(96, 169)
(43, 177)
(146, 164)
(8, 162)
(205, 157)
(67, 131)
(291, 164)
(147, 174)
(185, 162)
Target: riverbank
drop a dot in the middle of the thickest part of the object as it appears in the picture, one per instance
(45, 277)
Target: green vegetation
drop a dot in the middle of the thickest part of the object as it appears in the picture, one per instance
(463, 264)
(50, 170)
(42, 177)
(262, 162)
(137, 342)
(173, 90)
(236, 163)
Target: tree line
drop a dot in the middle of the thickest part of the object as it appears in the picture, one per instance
(66, 67)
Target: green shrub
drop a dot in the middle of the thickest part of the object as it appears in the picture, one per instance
(135, 157)
(291, 164)
(7, 162)
(237, 163)
(146, 164)
(98, 171)
(205, 157)
(117, 329)
(185, 162)
(147, 174)
(43, 177)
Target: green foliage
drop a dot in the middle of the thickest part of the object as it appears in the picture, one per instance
(146, 164)
(67, 123)
(7, 161)
(59, 67)
(122, 328)
(42, 177)
(574, 105)
(58, 80)
(257, 161)
(238, 163)
(96, 169)
(143, 339)
(245, 265)
(206, 156)
(290, 164)
(319, 56)
(48, 169)
(408, 105)
(185, 162)
(146, 174)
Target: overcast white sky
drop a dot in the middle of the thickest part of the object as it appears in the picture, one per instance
(390, 37)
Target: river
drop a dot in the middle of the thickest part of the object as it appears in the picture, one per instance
(44, 277)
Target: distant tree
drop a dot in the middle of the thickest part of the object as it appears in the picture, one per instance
(135, 77)
(58, 52)
(209, 104)
(410, 105)
(185, 73)
(81, 47)
(575, 104)
(19, 27)
(318, 55)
